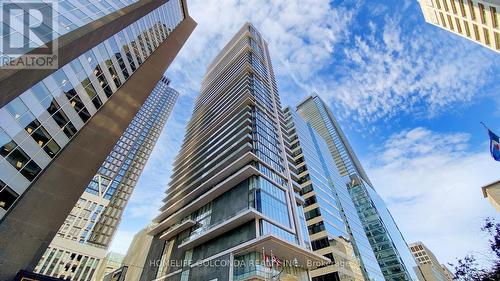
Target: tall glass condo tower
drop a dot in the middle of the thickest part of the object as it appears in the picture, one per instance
(232, 201)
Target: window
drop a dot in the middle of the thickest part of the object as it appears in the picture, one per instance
(269, 228)
(19, 160)
(17, 157)
(61, 119)
(494, 16)
(271, 201)
(467, 29)
(459, 27)
(312, 214)
(486, 34)
(315, 228)
(443, 22)
(50, 104)
(476, 32)
(453, 7)
(330, 256)
(482, 13)
(471, 10)
(450, 22)
(92, 93)
(7, 196)
(445, 3)
(42, 137)
(462, 8)
(311, 200)
(69, 91)
(497, 40)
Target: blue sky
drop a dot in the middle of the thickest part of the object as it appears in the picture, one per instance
(409, 96)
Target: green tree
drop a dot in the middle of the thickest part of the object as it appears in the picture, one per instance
(468, 269)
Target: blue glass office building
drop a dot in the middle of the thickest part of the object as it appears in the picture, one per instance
(334, 226)
(389, 246)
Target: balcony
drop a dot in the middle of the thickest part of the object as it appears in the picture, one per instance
(173, 230)
(201, 190)
(233, 180)
(296, 186)
(236, 220)
(284, 250)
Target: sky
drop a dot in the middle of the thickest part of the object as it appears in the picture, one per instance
(408, 95)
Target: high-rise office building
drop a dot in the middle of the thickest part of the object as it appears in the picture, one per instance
(58, 125)
(476, 20)
(388, 244)
(429, 266)
(232, 203)
(334, 226)
(83, 239)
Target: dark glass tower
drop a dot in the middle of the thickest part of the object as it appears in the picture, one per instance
(388, 244)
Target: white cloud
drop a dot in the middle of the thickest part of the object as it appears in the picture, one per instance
(301, 34)
(432, 186)
(377, 73)
(422, 71)
(368, 71)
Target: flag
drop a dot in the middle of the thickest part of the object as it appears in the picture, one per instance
(494, 146)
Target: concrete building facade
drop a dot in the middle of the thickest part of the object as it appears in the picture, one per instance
(389, 246)
(232, 210)
(429, 266)
(475, 20)
(334, 227)
(83, 239)
(492, 193)
(136, 254)
(50, 117)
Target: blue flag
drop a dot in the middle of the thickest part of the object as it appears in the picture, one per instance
(494, 146)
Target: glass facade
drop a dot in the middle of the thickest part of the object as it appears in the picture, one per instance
(331, 216)
(234, 162)
(315, 112)
(256, 264)
(385, 239)
(35, 126)
(391, 249)
(68, 14)
(94, 219)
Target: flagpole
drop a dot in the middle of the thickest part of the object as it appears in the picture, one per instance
(263, 263)
(484, 126)
(272, 265)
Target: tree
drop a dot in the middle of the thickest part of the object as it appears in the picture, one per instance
(468, 269)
